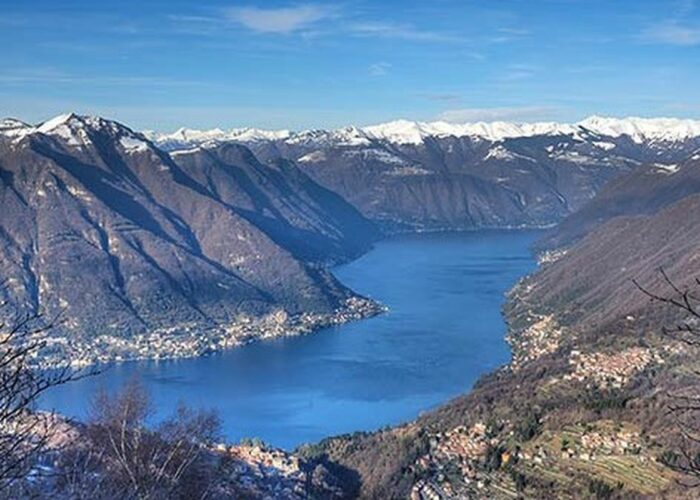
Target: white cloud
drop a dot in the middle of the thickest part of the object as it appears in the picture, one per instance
(379, 69)
(441, 97)
(673, 33)
(674, 30)
(282, 20)
(401, 31)
(311, 20)
(518, 72)
(525, 113)
(516, 75)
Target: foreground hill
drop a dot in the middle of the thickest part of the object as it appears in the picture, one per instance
(143, 254)
(411, 175)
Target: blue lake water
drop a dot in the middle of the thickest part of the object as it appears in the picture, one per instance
(444, 329)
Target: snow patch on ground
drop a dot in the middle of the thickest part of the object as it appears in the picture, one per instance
(607, 146)
(667, 168)
(375, 154)
(313, 157)
(133, 144)
(406, 171)
(501, 153)
(575, 157)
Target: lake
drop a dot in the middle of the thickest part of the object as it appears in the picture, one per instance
(443, 330)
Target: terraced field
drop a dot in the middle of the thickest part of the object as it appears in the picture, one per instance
(615, 454)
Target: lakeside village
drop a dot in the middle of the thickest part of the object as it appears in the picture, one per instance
(190, 340)
(459, 462)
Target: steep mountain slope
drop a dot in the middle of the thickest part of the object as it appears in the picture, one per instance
(643, 191)
(410, 175)
(312, 222)
(591, 285)
(102, 225)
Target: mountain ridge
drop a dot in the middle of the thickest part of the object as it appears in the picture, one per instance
(434, 176)
(102, 226)
(415, 132)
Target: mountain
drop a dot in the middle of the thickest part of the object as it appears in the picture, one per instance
(643, 191)
(659, 130)
(582, 409)
(413, 176)
(136, 248)
(312, 222)
(591, 285)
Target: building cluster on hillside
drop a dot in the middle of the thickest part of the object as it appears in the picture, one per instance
(611, 443)
(461, 448)
(606, 439)
(538, 455)
(462, 443)
(611, 371)
(427, 490)
(189, 339)
(259, 471)
(550, 256)
(542, 337)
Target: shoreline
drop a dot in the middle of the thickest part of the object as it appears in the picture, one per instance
(186, 341)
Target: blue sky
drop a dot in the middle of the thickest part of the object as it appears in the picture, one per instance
(165, 64)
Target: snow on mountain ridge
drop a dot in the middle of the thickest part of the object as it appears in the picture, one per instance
(397, 132)
(640, 129)
(75, 130)
(415, 132)
(11, 123)
(191, 136)
(407, 132)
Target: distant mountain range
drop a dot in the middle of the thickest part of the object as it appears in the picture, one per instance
(412, 132)
(414, 176)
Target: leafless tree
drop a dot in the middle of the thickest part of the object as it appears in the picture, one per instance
(25, 432)
(122, 457)
(684, 405)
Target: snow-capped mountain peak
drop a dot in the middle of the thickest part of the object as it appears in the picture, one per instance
(407, 132)
(12, 123)
(640, 129)
(75, 131)
(186, 137)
